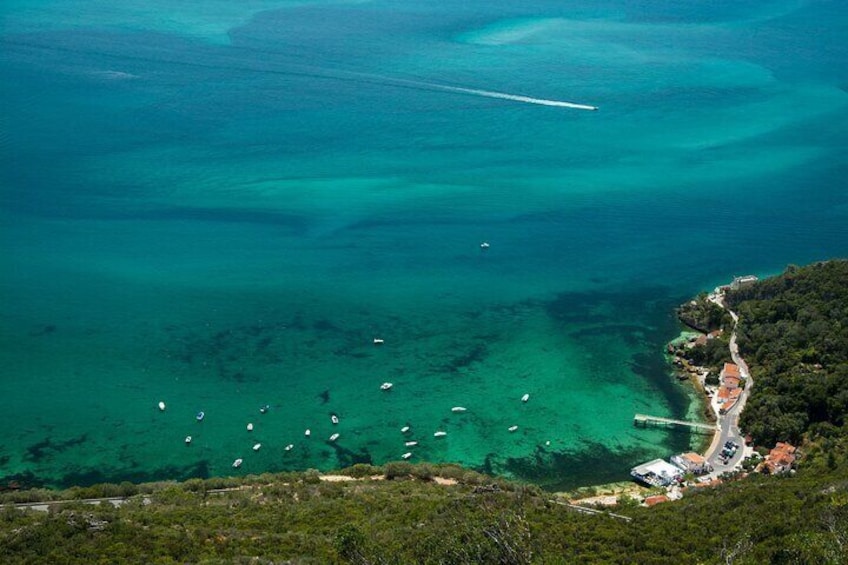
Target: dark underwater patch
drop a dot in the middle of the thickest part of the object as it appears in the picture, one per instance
(40, 331)
(565, 470)
(347, 457)
(47, 447)
(88, 477)
(475, 355)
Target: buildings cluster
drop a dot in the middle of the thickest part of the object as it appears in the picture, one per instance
(780, 459)
(661, 473)
(729, 390)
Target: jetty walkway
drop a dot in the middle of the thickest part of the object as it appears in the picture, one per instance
(645, 420)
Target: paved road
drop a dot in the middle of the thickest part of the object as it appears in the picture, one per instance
(729, 422)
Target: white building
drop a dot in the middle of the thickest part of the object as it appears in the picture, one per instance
(657, 473)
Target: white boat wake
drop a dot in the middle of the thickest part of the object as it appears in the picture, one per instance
(514, 97)
(472, 91)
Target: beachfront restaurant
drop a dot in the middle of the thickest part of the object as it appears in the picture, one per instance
(657, 473)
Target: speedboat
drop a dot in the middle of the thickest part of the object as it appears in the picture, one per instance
(334, 437)
(188, 440)
(250, 427)
(200, 416)
(289, 447)
(513, 428)
(257, 446)
(458, 409)
(407, 455)
(334, 419)
(404, 429)
(484, 245)
(308, 432)
(264, 409)
(386, 386)
(440, 434)
(411, 443)
(525, 398)
(378, 341)
(237, 463)
(161, 406)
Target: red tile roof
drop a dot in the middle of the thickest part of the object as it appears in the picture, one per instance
(730, 370)
(654, 500)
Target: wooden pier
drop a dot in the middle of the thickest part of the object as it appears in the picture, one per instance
(644, 420)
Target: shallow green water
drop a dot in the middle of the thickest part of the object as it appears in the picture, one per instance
(222, 208)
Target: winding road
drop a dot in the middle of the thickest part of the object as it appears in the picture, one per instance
(729, 423)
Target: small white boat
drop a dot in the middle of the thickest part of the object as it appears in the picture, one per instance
(411, 443)
(484, 245)
(459, 409)
(407, 455)
(525, 398)
(308, 432)
(188, 440)
(440, 434)
(257, 446)
(200, 416)
(378, 341)
(289, 447)
(250, 427)
(386, 386)
(334, 437)
(548, 442)
(161, 406)
(513, 428)
(264, 409)
(237, 463)
(404, 429)
(334, 419)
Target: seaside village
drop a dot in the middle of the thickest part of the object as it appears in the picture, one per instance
(729, 455)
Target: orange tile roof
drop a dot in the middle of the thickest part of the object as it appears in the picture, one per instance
(730, 370)
(731, 381)
(654, 500)
(694, 458)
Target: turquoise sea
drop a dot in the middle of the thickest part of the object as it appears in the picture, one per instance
(221, 204)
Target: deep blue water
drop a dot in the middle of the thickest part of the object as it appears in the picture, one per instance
(222, 206)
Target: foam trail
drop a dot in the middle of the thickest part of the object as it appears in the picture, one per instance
(473, 91)
(515, 97)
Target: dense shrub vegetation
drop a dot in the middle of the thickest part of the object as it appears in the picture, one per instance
(294, 519)
(794, 334)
